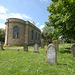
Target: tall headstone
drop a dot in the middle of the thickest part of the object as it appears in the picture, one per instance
(73, 50)
(42, 45)
(51, 55)
(36, 48)
(25, 47)
(55, 42)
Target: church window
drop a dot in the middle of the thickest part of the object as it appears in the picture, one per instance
(15, 32)
(36, 36)
(32, 34)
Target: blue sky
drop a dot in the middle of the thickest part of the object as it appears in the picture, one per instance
(28, 10)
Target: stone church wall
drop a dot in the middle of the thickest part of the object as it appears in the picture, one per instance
(33, 41)
(20, 39)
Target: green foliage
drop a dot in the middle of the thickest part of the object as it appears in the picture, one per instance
(13, 62)
(2, 35)
(51, 32)
(62, 17)
(42, 40)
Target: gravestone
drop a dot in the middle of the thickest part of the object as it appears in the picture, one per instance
(55, 42)
(1, 45)
(51, 54)
(73, 50)
(62, 41)
(42, 45)
(36, 48)
(25, 47)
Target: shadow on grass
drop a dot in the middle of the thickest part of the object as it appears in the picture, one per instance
(2, 50)
(61, 64)
(66, 50)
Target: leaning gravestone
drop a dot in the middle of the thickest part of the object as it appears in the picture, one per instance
(25, 47)
(73, 50)
(51, 54)
(55, 42)
(36, 48)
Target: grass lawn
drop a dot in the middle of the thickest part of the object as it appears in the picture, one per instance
(13, 62)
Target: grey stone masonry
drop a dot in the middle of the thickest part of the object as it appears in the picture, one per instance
(25, 47)
(73, 50)
(36, 48)
(55, 42)
(51, 55)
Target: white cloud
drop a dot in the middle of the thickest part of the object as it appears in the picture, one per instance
(27, 17)
(44, 0)
(11, 15)
(42, 26)
(4, 15)
(3, 10)
(2, 25)
(17, 15)
(37, 23)
(14, 15)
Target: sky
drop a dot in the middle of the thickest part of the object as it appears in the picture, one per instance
(27, 10)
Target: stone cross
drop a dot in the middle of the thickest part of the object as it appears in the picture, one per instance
(55, 42)
(25, 47)
(51, 55)
(73, 50)
(36, 48)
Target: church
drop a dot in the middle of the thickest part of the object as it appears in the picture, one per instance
(19, 32)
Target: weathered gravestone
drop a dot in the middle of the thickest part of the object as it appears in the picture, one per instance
(62, 41)
(55, 42)
(51, 55)
(25, 47)
(73, 50)
(42, 45)
(1, 45)
(36, 48)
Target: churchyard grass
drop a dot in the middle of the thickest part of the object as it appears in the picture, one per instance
(13, 62)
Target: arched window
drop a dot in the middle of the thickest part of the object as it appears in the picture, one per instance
(36, 35)
(15, 32)
(39, 36)
(32, 34)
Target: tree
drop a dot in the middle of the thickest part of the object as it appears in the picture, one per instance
(49, 33)
(62, 17)
(2, 35)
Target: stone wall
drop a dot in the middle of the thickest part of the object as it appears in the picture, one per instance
(33, 41)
